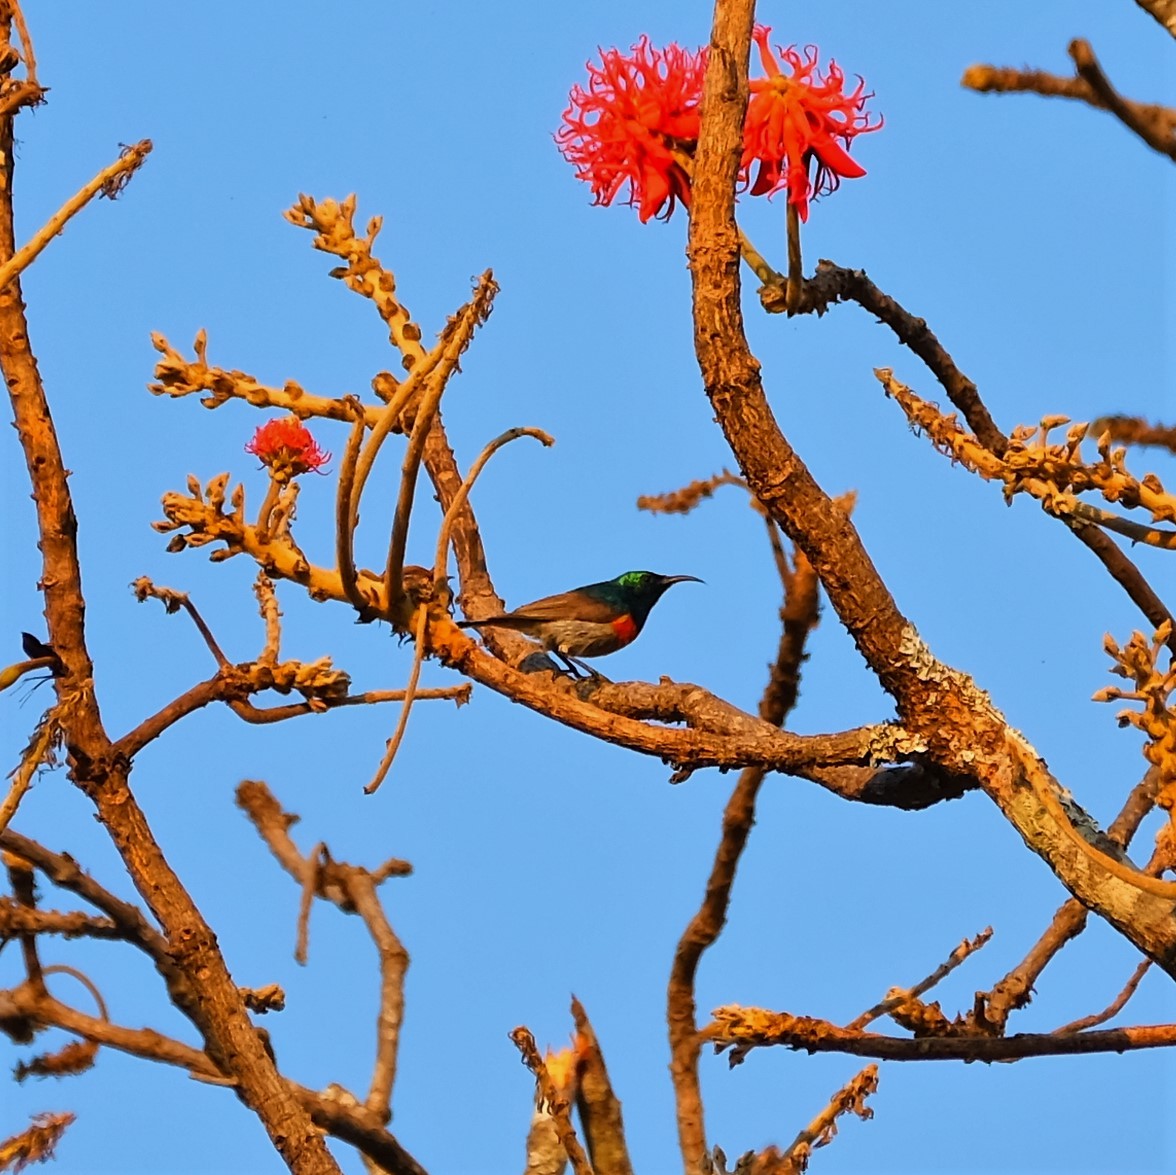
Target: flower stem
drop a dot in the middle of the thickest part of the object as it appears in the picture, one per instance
(755, 259)
(267, 509)
(795, 288)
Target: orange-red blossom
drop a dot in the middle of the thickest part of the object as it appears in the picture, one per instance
(637, 124)
(287, 449)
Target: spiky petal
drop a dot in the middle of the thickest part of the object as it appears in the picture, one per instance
(798, 119)
(286, 447)
(633, 123)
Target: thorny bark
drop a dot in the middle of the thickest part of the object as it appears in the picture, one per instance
(961, 730)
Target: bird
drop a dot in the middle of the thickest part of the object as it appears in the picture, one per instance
(589, 621)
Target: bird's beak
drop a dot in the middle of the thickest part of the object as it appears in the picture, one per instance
(669, 579)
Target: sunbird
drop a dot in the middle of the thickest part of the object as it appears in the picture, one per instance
(590, 621)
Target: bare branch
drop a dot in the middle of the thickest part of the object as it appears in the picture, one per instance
(1156, 125)
(598, 1105)
(1113, 1008)
(441, 559)
(418, 657)
(684, 500)
(834, 283)
(799, 613)
(67, 874)
(342, 1118)
(353, 890)
(556, 1103)
(1134, 430)
(19, 919)
(108, 181)
(901, 995)
(35, 1144)
(454, 340)
(742, 1029)
(36, 755)
(347, 515)
(1164, 11)
(1013, 775)
(172, 602)
(849, 1099)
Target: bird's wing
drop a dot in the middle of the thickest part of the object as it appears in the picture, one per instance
(569, 606)
(500, 621)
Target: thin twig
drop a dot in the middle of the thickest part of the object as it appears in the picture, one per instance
(1135, 430)
(47, 733)
(361, 887)
(26, 42)
(1112, 1009)
(272, 616)
(418, 656)
(65, 872)
(353, 890)
(121, 169)
(273, 494)
(173, 601)
(398, 541)
(310, 882)
(850, 1098)
(898, 996)
(557, 1104)
(347, 516)
(389, 419)
(19, 919)
(85, 981)
(24, 892)
(756, 260)
(454, 340)
(441, 558)
(1153, 123)
(263, 717)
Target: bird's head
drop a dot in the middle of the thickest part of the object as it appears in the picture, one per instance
(642, 589)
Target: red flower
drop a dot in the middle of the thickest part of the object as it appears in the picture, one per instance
(632, 124)
(286, 446)
(797, 118)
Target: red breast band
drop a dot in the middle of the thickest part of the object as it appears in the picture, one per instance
(625, 628)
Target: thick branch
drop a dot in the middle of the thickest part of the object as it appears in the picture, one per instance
(211, 1000)
(962, 729)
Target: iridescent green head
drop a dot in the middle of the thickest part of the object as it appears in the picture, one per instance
(642, 589)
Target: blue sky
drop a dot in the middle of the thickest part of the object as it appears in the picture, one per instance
(1036, 238)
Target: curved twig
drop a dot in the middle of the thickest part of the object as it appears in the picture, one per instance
(441, 558)
(418, 656)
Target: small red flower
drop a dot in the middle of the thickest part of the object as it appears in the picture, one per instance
(632, 124)
(796, 118)
(287, 448)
